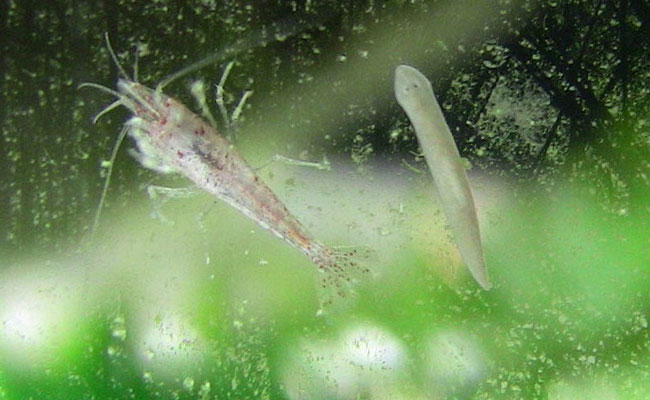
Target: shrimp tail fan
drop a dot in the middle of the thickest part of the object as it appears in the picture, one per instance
(342, 269)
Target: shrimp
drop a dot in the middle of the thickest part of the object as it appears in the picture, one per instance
(414, 93)
(171, 138)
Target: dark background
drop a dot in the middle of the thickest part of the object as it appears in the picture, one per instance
(588, 60)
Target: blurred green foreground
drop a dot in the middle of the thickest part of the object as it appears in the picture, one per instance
(210, 306)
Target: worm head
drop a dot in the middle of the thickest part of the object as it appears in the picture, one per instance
(410, 86)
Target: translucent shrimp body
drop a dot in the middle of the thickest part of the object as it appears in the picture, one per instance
(171, 138)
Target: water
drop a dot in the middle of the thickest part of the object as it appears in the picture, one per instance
(209, 305)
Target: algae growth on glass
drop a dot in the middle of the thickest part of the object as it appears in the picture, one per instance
(180, 296)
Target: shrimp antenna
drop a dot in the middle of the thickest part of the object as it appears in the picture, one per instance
(121, 99)
(107, 182)
(276, 32)
(136, 66)
(121, 70)
(102, 88)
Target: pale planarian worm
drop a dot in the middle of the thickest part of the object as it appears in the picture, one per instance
(414, 93)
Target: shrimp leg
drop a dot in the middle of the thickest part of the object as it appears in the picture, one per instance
(159, 195)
